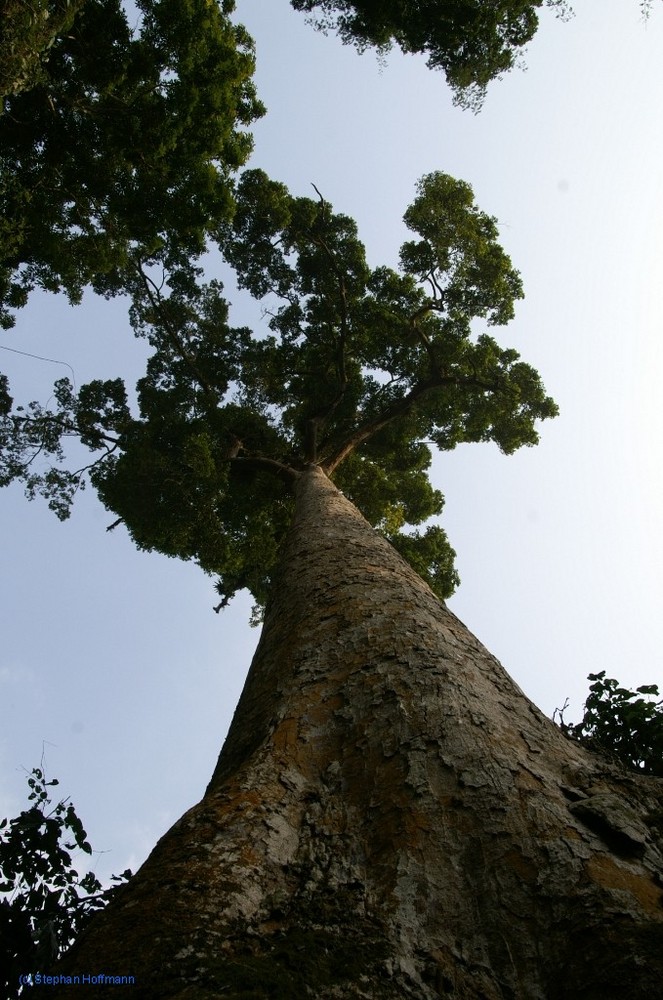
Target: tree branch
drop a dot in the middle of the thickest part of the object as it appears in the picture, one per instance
(69, 429)
(398, 409)
(311, 439)
(107, 452)
(156, 301)
(321, 417)
(260, 463)
(371, 427)
(414, 318)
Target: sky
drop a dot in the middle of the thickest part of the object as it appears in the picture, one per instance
(113, 666)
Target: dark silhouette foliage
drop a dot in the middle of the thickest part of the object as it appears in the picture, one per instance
(625, 725)
(45, 903)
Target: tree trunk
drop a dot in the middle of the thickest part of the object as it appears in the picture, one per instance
(390, 817)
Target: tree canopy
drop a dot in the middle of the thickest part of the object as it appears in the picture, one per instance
(360, 370)
(471, 42)
(120, 143)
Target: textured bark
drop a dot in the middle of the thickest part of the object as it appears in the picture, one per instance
(390, 816)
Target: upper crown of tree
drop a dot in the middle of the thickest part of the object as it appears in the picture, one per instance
(361, 370)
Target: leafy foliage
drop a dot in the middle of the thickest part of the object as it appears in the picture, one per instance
(622, 724)
(28, 433)
(123, 147)
(29, 29)
(46, 903)
(360, 370)
(471, 42)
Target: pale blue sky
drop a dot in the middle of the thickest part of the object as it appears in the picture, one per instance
(114, 660)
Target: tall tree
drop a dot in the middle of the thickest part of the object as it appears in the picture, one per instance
(470, 41)
(124, 145)
(390, 816)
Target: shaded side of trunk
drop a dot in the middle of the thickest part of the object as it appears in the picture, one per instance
(390, 816)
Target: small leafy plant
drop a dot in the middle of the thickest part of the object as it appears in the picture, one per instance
(45, 903)
(625, 725)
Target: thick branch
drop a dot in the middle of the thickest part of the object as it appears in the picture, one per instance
(323, 415)
(311, 439)
(414, 323)
(259, 463)
(371, 427)
(397, 409)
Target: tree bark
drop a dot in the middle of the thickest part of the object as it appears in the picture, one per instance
(390, 817)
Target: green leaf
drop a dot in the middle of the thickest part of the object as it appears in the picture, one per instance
(617, 723)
